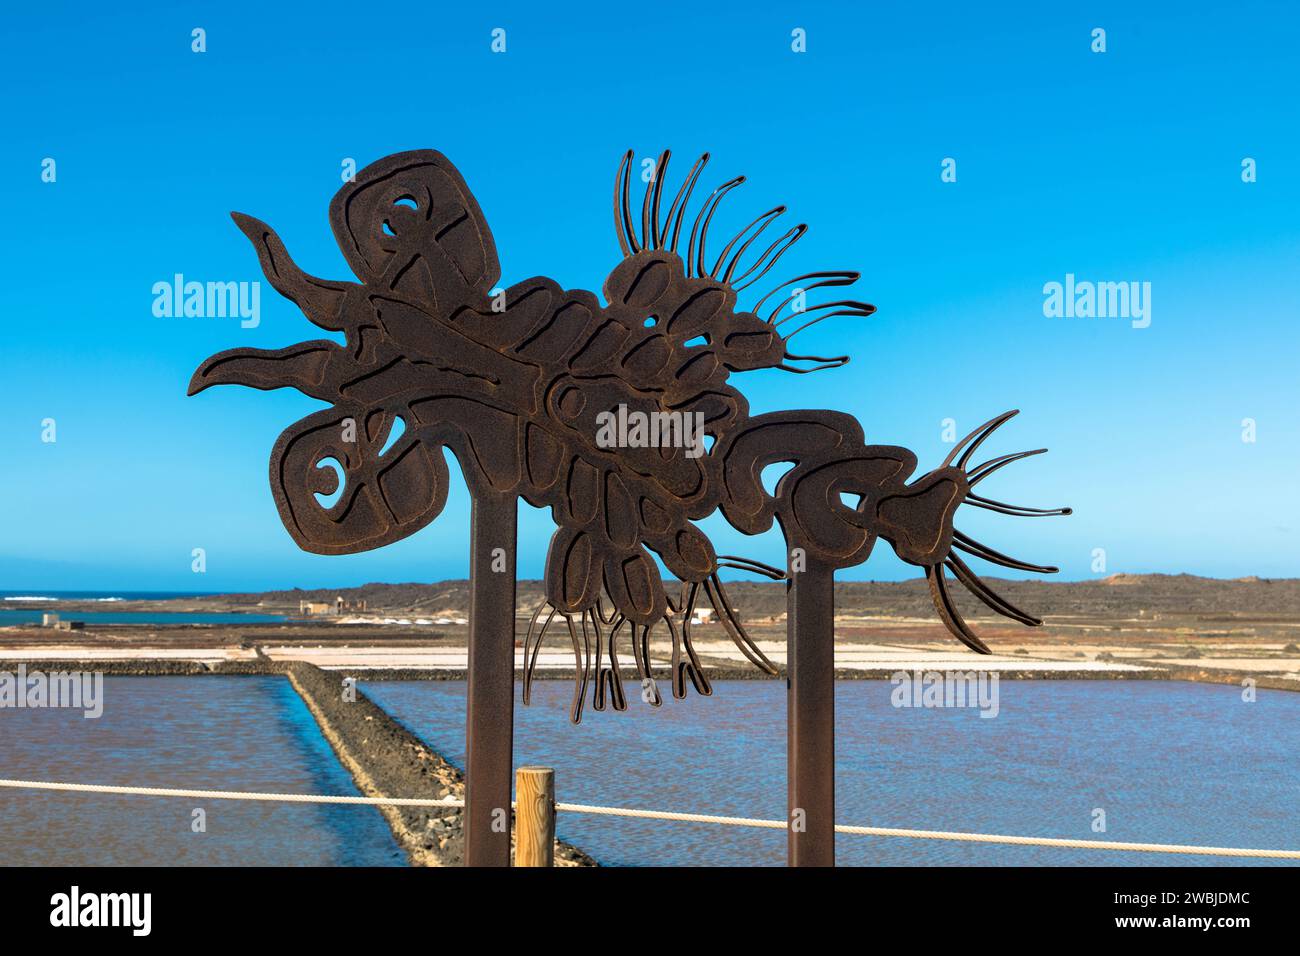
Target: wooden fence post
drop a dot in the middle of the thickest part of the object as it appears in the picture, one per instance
(534, 816)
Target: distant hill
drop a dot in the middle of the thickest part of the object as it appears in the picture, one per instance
(1119, 595)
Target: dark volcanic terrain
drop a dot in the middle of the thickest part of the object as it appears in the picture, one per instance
(1145, 596)
(1242, 626)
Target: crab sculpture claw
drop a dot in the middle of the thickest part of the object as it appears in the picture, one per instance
(940, 551)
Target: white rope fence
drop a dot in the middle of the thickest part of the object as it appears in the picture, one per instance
(454, 802)
(940, 834)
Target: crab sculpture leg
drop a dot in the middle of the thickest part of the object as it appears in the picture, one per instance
(595, 633)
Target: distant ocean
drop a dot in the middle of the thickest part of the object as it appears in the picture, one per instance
(18, 606)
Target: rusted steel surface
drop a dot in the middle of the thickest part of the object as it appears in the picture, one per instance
(522, 385)
(489, 691)
(810, 716)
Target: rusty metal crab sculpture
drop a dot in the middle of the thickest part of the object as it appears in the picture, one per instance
(514, 384)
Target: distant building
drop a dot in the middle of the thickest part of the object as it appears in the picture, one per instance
(69, 625)
(49, 619)
(340, 606)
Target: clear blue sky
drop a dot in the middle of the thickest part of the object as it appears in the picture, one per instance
(1117, 166)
